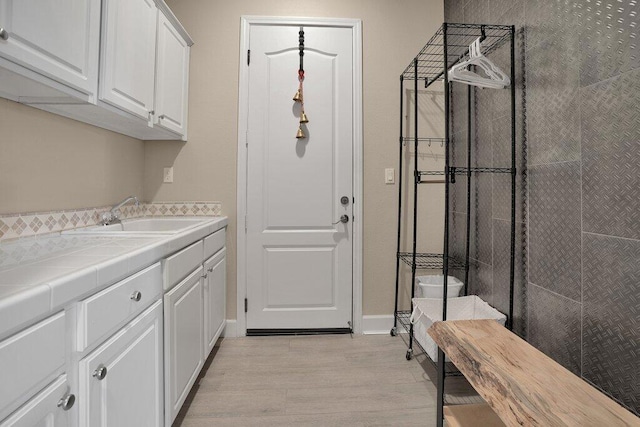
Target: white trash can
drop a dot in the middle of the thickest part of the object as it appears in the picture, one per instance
(432, 286)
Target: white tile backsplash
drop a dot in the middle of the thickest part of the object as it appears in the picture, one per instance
(31, 224)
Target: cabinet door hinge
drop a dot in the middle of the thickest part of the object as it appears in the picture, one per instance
(246, 306)
(248, 56)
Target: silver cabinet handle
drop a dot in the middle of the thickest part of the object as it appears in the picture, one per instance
(4, 35)
(161, 116)
(210, 269)
(66, 402)
(100, 373)
(136, 296)
(205, 276)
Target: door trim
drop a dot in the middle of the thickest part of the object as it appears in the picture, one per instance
(243, 108)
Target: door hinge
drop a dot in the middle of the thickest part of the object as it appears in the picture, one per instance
(246, 306)
(248, 56)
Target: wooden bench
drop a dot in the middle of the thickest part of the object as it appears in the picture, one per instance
(520, 384)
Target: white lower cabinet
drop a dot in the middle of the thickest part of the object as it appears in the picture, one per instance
(30, 360)
(215, 284)
(184, 341)
(121, 382)
(53, 407)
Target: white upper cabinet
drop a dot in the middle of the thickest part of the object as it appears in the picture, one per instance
(121, 65)
(58, 39)
(128, 55)
(172, 78)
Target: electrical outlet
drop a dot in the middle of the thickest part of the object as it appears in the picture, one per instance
(389, 176)
(168, 175)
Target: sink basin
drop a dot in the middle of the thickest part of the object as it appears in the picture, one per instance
(144, 226)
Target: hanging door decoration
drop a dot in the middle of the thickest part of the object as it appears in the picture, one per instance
(299, 96)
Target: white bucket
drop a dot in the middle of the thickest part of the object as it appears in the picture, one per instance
(432, 286)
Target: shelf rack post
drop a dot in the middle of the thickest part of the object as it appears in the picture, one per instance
(513, 177)
(416, 179)
(400, 142)
(468, 224)
(445, 253)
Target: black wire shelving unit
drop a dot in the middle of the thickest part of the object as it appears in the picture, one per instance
(448, 46)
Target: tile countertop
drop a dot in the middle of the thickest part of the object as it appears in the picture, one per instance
(39, 276)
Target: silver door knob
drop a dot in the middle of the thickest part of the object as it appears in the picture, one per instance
(100, 373)
(66, 402)
(343, 219)
(136, 296)
(4, 34)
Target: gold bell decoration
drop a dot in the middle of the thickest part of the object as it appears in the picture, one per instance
(300, 133)
(299, 97)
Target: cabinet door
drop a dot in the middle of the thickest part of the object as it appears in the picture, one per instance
(184, 341)
(56, 38)
(172, 78)
(214, 299)
(128, 54)
(53, 407)
(121, 381)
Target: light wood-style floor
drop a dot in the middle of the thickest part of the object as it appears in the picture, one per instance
(329, 380)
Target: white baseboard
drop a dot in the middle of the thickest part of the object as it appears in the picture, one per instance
(230, 330)
(377, 324)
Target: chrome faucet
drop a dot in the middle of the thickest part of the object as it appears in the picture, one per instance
(113, 216)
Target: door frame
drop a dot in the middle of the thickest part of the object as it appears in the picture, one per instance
(243, 108)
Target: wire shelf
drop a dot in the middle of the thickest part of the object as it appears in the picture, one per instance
(430, 173)
(429, 260)
(430, 60)
(412, 139)
(463, 171)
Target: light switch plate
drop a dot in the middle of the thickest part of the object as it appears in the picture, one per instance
(389, 176)
(168, 175)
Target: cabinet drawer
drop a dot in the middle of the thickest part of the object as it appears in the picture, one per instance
(214, 242)
(105, 311)
(31, 359)
(43, 409)
(178, 265)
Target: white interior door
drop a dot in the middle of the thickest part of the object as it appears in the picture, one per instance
(299, 263)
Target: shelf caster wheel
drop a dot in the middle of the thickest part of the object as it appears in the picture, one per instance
(409, 354)
(394, 331)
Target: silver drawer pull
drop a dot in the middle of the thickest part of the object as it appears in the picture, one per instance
(4, 35)
(161, 116)
(100, 373)
(210, 269)
(66, 402)
(205, 276)
(136, 296)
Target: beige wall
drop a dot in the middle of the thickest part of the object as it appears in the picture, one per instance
(205, 167)
(49, 162)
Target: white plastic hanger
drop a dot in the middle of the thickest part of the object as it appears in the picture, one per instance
(495, 79)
